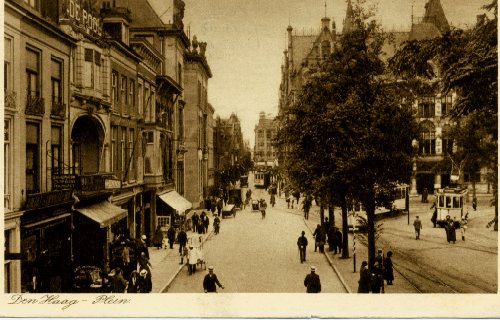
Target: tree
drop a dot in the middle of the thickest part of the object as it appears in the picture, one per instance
(465, 62)
(349, 135)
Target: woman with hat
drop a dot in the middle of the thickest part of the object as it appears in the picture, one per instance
(133, 284)
(145, 283)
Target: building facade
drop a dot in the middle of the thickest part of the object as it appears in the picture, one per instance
(265, 133)
(198, 115)
(98, 117)
(305, 52)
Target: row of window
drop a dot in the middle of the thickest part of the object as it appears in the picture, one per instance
(122, 145)
(427, 106)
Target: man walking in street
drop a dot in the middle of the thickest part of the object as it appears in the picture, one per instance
(417, 224)
(302, 244)
(171, 236)
(312, 282)
(182, 238)
(210, 281)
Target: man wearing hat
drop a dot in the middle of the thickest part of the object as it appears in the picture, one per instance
(142, 246)
(312, 282)
(145, 283)
(302, 244)
(210, 281)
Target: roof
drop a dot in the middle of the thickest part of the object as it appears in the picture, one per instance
(142, 13)
(301, 46)
(349, 24)
(434, 13)
(423, 31)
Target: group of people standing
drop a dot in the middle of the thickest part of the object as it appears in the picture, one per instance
(373, 280)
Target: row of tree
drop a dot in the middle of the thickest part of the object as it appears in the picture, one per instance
(349, 134)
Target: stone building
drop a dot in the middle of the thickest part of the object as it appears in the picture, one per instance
(198, 118)
(264, 150)
(304, 52)
(98, 117)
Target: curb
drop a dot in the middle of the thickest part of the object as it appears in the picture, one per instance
(344, 283)
(165, 288)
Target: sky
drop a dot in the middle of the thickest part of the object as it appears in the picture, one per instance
(246, 39)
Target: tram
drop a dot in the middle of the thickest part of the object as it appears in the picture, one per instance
(453, 202)
(357, 213)
(262, 179)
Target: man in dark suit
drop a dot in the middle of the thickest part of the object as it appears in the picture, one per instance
(312, 282)
(302, 244)
(210, 281)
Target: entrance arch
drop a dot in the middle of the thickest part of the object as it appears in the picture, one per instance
(87, 137)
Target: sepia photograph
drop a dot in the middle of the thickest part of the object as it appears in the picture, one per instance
(159, 151)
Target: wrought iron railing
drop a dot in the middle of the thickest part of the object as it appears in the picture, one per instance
(35, 104)
(10, 99)
(58, 107)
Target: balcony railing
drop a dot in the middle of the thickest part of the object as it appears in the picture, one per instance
(34, 104)
(94, 182)
(10, 99)
(58, 108)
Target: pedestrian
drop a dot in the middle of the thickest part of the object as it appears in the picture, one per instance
(219, 206)
(302, 244)
(296, 195)
(143, 263)
(417, 224)
(389, 272)
(287, 198)
(474, 203)
(182, 239)
(377, 280)
(216, 225)
(435, 213)
(379, 258)
(317, 237)
(192, 260)
(210, 281)
(272, 200)
(338, 241)
(195, 219)
(157, 239)
(145, 281)
(425, 193)
(143, 247)
(450, 230)
(364, 278)
(133, 284)
(312, 282)
(206, 223)
(118, 284)
(463, 227)
(263, 207)
(171, 236)
(326, 224)
(306, 206)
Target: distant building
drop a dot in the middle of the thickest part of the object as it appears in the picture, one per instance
(265, 133)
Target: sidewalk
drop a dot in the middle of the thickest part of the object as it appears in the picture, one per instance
(166, 264)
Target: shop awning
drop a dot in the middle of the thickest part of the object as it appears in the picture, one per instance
(104, 213)
(176, 201)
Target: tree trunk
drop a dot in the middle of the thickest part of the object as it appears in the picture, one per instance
(345, 231)
(321, 212)
(370, 213)
(331, 215)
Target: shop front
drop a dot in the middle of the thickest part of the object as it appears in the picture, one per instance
(173, 209)
(96, 227)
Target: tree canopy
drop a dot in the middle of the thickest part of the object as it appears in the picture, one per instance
(349, 134)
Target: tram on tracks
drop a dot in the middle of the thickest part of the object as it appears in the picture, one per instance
(262, 179)
(357, 213)
(453, 202)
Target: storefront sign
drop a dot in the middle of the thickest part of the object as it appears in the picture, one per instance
(112, 184)
(81, 14)
(63, 181)
(47, 199)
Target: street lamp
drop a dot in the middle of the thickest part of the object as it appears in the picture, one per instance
(413, 182)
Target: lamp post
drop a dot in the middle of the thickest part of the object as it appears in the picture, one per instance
(413, 182)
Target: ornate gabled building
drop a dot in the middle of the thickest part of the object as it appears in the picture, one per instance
(304, 52)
